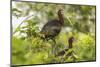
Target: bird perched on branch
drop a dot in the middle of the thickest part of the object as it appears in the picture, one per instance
(52, 28)
(63, 52)
(68, 53)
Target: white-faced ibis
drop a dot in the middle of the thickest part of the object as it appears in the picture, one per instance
(52, 28)
(63, 52)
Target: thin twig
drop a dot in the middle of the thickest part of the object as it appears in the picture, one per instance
(21, 24)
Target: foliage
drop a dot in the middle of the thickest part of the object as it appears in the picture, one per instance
(29, 48)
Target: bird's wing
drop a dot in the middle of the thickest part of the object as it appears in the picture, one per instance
(52, 28)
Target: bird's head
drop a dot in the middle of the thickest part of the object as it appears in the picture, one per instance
(60, 11)
(60, 15)
(70, 40)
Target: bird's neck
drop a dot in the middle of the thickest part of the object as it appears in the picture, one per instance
(60, 16)
(70, 45)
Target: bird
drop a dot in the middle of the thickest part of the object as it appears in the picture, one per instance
(63, 52)
(53, 27)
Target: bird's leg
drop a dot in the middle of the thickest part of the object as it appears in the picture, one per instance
(54, 47)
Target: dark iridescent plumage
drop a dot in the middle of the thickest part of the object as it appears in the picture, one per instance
(52, 28)
(63, 52)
